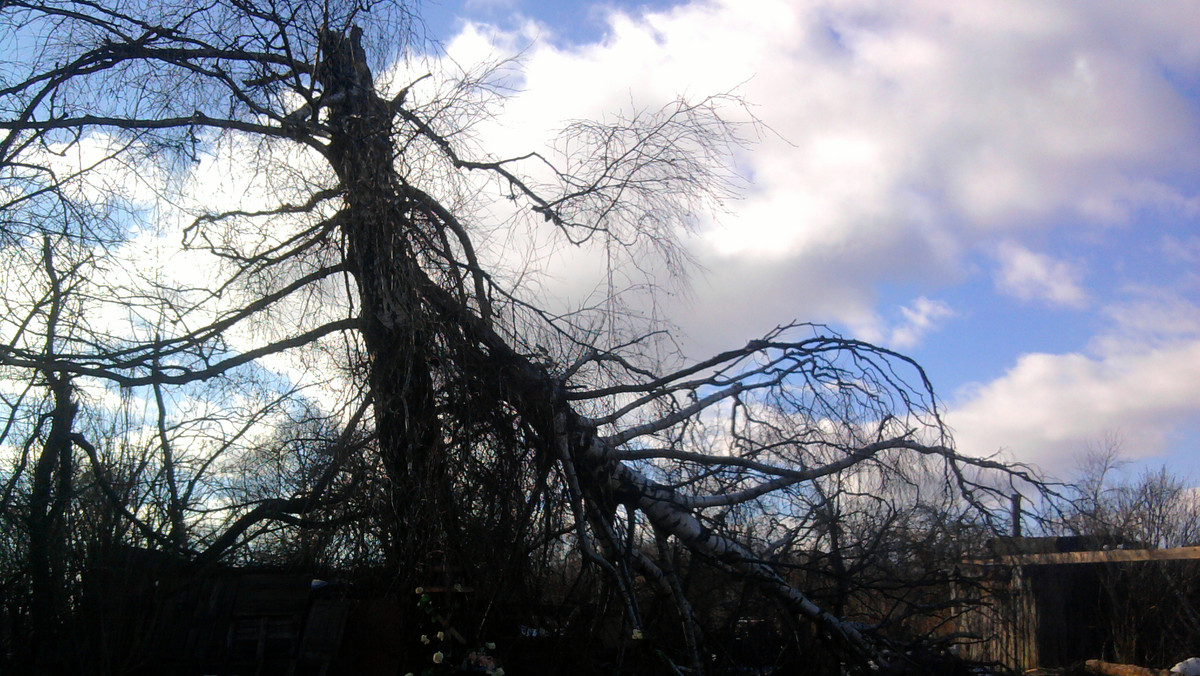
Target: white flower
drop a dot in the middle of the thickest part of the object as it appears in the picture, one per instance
(489, 645)
(424, 639)
(420, 590)
(438, 657)
(637, 634)
(498, 672)
(441, 636)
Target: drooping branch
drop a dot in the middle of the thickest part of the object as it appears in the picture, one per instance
(472, 427)
(174, 375)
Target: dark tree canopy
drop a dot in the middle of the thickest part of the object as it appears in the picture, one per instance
(342, 372)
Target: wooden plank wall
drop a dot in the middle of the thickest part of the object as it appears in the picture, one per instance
(1007, 622)
(1027, 604)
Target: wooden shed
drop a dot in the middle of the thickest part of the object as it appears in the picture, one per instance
(1053, 602)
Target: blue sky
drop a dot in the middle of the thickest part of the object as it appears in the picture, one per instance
(1009, 191)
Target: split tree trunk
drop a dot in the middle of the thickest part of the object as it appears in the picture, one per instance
(382, 238)
(403, 310)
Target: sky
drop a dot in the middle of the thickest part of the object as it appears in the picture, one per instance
(1006, 190)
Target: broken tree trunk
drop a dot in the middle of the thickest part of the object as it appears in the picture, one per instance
(415, 296)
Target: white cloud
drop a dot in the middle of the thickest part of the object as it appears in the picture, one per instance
(491, 5)
(903, 135)
(1152, 318)
(1031, 276)
(1181, 249)
(1140, 378)
(922, 317)
(917, 320)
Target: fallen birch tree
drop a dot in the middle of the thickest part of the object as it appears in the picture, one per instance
(478, 425)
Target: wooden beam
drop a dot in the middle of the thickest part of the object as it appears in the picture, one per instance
(1102, 556)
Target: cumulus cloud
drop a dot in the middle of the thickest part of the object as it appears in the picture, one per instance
(1181, 249)
(1031, 276)
(897, 139)
(901, 135)
(900, 140)
(1140, 377)
(917, 320)
(923, 316)
(491, 5)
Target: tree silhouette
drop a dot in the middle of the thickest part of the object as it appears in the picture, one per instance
(379, 386)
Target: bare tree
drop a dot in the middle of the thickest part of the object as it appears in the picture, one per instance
(471, 424)
(1154, 509)
(1147, 609)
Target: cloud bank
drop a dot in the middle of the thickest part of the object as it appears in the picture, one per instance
(1140, 378)
(918, 146)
